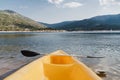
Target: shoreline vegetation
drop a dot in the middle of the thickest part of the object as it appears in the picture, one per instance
(38, 31)
(96, 31)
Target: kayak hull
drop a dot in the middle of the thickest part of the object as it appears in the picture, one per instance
(54, 66)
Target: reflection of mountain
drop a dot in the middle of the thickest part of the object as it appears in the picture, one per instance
(106, 22)
(10, 20)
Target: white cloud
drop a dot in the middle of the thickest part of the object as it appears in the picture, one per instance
(55, 1)
(73, 4)
(61, 4)
(109, 2)
(109, 7)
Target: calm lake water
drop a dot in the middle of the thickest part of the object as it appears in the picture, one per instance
(92, 44)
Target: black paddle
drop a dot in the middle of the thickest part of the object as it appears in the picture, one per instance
(28, 53)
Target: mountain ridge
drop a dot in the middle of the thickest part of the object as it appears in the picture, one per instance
(102, 22)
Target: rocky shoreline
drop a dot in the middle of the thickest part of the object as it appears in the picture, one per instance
(38, 31)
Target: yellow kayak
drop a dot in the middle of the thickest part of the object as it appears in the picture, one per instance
(55, 66)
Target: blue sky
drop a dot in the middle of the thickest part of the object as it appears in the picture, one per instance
(53, 11)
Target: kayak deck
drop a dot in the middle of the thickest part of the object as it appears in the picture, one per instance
(55, 66)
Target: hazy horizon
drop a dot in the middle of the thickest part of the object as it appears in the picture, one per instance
(55, 11)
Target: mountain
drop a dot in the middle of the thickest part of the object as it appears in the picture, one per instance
(13, 21)
(57, 25)
(105, 22)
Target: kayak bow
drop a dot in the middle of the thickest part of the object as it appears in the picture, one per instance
(54, 67)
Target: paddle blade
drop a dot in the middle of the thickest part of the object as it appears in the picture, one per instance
(28, 53)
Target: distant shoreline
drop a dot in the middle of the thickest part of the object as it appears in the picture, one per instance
(37, 31)
(100, 31)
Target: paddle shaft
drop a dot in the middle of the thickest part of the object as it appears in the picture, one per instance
(28, 53)
(75, 56)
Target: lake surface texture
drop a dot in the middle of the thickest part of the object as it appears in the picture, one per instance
(85, 44)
